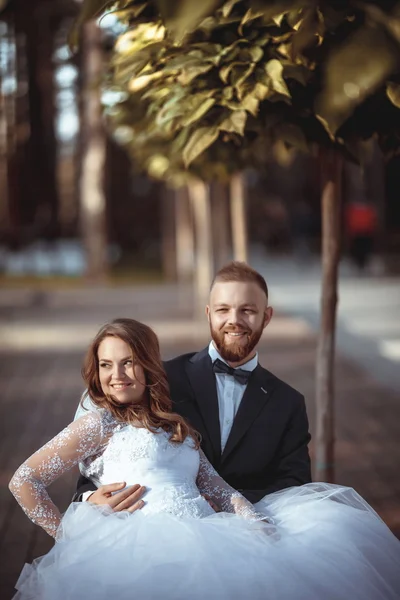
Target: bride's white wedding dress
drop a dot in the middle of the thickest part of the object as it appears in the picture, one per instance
(322, 542)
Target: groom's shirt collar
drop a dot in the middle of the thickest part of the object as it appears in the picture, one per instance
(250, 365)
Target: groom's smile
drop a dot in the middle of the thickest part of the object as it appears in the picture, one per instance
(237, 335)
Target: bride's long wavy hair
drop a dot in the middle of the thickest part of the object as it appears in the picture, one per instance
(155, 411)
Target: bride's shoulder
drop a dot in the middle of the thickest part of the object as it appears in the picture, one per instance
(108, 421)
(100, 418)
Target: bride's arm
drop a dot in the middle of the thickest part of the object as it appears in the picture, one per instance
(220, 492)
(75, 443)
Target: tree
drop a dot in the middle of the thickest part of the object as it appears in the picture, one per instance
(93, 203)
(213, 87)
(238, 217)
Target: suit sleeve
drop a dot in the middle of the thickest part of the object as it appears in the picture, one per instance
(292, 465)
(83, 485)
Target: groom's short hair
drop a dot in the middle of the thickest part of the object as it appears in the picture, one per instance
(240, 271)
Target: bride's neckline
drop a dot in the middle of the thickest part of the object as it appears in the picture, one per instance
(135, 425)
(139, 425)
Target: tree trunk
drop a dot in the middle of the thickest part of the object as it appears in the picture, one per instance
(200, 200)
(220, 223)
(10, 170)
(168, 234)
(40, 188)
(92, 196)
(376, 187)
(5, 214)
(325, 417)
(184, 236)
(238, 218)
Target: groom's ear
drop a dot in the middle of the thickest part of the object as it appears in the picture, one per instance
(208, 312)
(269, 311)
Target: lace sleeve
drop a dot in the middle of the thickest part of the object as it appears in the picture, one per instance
(76, 442)
(220, 492)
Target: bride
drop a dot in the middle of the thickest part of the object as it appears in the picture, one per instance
(313, 542)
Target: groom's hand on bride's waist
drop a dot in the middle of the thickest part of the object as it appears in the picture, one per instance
(118, 497)
(213, 504)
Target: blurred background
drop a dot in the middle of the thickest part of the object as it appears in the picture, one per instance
(73, 255)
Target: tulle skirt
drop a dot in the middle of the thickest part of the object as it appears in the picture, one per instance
(326, 543)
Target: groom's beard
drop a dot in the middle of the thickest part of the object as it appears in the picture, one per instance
(235, 351)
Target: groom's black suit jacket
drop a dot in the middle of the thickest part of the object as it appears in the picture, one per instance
(267, 447)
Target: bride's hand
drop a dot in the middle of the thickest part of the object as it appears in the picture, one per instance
(128, 499)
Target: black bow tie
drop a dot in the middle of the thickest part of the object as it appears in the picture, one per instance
(240, 375)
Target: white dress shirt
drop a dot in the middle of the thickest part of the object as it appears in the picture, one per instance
(230, 393)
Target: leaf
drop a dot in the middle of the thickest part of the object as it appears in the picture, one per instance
(393, 93)
(250, 15)
(235, 123)
(208, 24)
(307, 33)
(274, 70)
(182, 17)
(229, 53)
(227, 7)
(327, 127)
(256, 53)
(131, 63)
(128, 11)
(202, 109)
(251, 104)
(156, 95)
(225, 71)
(277, 19)
(294, 18)
(261, 91)
(297, 72)
(199, 141)
(124, 74)
(189, 74)
(182, 61)
(143, 81)
(239, 74)
(180, 141)
(227, 92)
(208, 49)
(353, 72)
(148, 38)
(185, 107)
(274, 12)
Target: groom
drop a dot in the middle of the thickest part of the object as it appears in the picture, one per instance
(254, 427)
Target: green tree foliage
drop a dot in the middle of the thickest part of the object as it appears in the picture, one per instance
(209, 87)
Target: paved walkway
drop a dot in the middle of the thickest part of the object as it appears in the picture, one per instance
(42, 340)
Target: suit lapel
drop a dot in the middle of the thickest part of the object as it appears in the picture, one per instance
(202, 380)
(257, 394)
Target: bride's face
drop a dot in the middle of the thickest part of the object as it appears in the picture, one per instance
(120, 376)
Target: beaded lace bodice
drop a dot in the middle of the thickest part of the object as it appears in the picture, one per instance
(175, 475)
